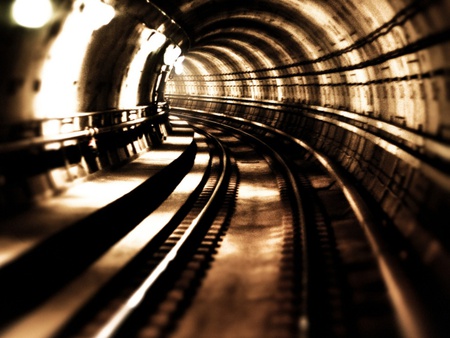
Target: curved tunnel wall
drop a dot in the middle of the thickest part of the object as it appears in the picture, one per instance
(373, 95)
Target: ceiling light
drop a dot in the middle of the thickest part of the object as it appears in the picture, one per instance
(178, 65)
(156, 40)
(32, 13)
(98, 13)
(171, 54)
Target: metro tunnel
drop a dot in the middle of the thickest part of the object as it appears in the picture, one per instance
(225, 169)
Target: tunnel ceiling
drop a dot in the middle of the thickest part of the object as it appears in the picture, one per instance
(274, 31)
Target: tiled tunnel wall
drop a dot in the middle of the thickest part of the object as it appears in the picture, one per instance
(415, 204)
(379, 108)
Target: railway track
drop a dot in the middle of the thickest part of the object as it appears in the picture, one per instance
(359, 277)
(270, 241)
(154, 278)
(329, 278)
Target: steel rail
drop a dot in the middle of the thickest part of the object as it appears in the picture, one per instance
(120, 316)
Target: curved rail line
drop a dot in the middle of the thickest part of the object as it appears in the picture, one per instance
(290, 183)
(147, 276)
(410, 311)
(125, 320)
(318, 291)
(120, 316)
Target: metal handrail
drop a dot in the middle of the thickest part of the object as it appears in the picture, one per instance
(95, 123)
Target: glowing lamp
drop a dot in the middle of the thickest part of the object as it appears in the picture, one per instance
(171, 54)
(156, 40)
(32, 13)
(178, 65)
(98, 13)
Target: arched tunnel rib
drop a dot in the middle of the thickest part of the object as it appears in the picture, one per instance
(87, 88)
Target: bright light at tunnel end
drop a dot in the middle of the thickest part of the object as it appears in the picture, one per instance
(32, 13)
